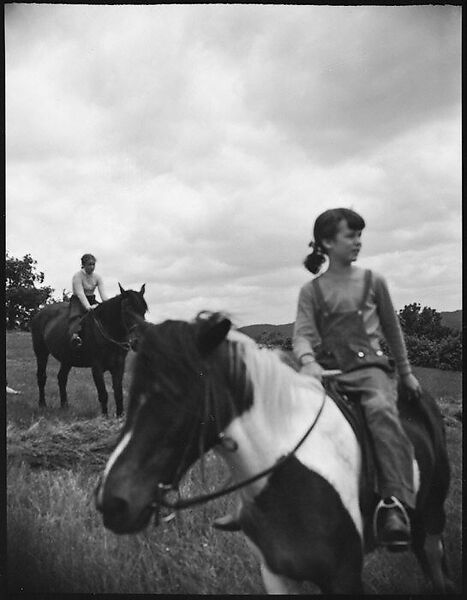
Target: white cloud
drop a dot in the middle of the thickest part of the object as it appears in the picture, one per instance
(192, 147)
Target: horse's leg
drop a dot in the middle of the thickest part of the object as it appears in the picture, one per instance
(98, 376)
(277, 584)
(62, 381)
(273, 584)
(353, 587)
(436, 560)
(117, 381)
(41, 374)
(42, 355)
(431, 555)
(347, 580)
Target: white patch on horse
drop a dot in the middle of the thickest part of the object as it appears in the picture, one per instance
(113, 457)
(416, 476)
(285, 405)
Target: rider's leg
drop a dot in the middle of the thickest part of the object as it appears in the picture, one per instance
(393, 450)
(74, 321)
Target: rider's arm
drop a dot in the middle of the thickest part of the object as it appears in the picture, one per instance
(305, 335)
(391, 327)
(78, 290)
(100, 287)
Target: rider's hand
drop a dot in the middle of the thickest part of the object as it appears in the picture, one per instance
(313, 369)
(410, 382)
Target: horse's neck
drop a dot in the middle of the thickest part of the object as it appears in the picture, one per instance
(284, 404)
(109, 313)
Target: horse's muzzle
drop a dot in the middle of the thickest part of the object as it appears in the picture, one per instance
(118, 514)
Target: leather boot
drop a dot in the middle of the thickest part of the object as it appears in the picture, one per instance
(392, 524)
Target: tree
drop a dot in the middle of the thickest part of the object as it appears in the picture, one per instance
(429, 343)
(425, 322)
(24, 293)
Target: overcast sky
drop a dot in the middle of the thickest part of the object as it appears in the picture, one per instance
(191, 148)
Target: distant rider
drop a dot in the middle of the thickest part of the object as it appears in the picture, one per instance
(84, 284)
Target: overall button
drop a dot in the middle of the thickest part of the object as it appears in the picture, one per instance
(361, 354)
(379, 353)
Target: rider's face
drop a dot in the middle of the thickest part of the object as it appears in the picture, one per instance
(89, 267)
(345, 245)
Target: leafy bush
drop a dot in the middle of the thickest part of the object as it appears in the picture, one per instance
(23, 297)
(429, 343)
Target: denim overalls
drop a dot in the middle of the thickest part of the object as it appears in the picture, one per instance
(345, 345)
(345, 342)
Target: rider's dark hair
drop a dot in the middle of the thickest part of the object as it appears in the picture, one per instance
(326, 227)
(86, 258)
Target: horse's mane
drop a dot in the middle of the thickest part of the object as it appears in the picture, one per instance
(172, 345)
(109, 303)
(170, 349)
(111, 306)
(273, 380)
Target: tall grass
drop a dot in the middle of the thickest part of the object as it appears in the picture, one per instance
(56, 537)
(56, 540)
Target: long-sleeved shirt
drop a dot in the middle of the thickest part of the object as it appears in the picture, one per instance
(344, 293)
(84, 285)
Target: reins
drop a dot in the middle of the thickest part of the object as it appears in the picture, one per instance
(123, 345)
(203, 498)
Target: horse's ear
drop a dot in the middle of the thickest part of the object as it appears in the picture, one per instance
(143, 289)
(121, 289)
(210, 337)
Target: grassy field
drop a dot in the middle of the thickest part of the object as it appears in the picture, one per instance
(56, 540)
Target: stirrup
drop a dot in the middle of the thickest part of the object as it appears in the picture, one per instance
(395, 503)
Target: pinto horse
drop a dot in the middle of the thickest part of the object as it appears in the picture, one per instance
(106, 332)
(294, 458)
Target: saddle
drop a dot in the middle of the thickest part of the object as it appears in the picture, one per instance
(351, 408)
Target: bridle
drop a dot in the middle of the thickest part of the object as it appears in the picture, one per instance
(123, 345)
(126, 346)
(182, 503)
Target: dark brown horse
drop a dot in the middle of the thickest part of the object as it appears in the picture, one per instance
(294, 458)
(106, 333)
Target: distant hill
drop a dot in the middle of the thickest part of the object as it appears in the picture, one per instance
(255, 331)
(451, 319)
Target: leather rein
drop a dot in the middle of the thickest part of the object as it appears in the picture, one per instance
(126, 346)
(182, 503)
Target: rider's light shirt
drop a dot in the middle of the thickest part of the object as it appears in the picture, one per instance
(84, 284)
(344, 294)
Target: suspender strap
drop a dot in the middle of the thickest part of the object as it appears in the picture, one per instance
(366, 288)
(319, 296)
